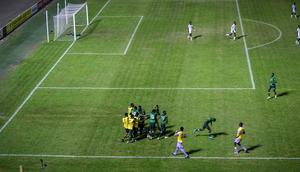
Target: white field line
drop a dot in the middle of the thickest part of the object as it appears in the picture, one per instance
(40, 82)
(35, 88)
(100, 11)
(95, 16)
(138, 88)
(145, 157)
(119, 16)
(106, 54)
(133, 34)
(245, 45)
(268, 24)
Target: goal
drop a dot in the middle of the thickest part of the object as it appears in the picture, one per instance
(70, 22)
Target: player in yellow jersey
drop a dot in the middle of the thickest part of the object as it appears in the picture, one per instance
(130, 108)
(130, 127)
(237, 141)
(180, 135)
(125, 121)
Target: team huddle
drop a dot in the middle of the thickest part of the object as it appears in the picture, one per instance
(233, 29)
(134, 123)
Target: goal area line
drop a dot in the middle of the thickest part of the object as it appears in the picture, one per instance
(128, 44)
(141, 88)
(146, 157)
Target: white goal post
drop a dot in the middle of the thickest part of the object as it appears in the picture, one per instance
(70, 21)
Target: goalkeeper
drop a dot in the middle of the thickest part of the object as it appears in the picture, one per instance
(206, 126)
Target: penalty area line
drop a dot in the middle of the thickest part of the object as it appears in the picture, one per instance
(133, 34)
(145, 157)
(44, 78)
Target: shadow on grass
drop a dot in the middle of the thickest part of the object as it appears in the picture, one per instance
(283, 94)
(251, 148)
(90, 29)
(197, 36)
(193, 151)
(214, 134)
(170, 126)
(241, 36)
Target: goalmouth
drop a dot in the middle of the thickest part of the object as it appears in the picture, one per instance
(71, 21)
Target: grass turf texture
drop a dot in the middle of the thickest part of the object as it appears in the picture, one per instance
(88, 122)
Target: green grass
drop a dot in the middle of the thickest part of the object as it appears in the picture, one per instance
(88, 121)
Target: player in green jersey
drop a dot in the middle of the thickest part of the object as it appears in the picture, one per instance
(163, 124)
(272, 86)
(206, 126)
(152, 121)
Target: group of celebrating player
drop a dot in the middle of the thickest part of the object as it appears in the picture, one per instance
(134, 123)
(232, 33)
(135, 128)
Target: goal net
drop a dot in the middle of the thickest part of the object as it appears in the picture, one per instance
(71, 22)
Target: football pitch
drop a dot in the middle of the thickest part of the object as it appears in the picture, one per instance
(67, 99)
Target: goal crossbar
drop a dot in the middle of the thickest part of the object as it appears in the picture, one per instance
(66, 19)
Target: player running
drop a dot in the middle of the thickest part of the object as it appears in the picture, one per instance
(232, 31)
(180, 135)
(272, 83)
(293, 10)
(238, 139)
(298, 35)
(206, 126)
(190, 31)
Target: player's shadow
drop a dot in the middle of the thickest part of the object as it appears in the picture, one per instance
(170, 133)
(241, 36)
(214, 134)
(193, 151)
(283, 94)
(252, 148)
(170, 126)
(197, 36)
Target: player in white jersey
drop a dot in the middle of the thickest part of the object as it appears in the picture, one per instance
(298, 35)
(232, 31)
(294, 8)
(190, 31)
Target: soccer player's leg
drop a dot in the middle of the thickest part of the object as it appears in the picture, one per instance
(269, 92)
(234, 35)
(274, 90)
(210, 136)
(180, 147)
(205, 126)
(236, 142)
(176, 150)
(191, 36)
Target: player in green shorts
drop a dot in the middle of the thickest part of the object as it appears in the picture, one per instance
(163, 124)
(206, 126)
(272, 86)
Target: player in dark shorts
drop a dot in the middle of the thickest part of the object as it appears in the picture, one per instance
(272, 86)
(206, 126)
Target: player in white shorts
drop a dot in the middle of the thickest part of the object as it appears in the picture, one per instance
(190, 31)
(298, 35)
(238, 139)
(294, 8)
(232, 31)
